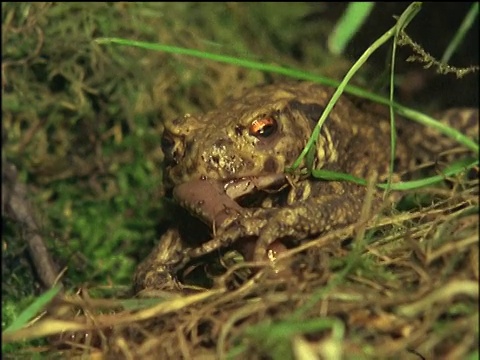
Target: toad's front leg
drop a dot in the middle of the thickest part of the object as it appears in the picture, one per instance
(207, 201)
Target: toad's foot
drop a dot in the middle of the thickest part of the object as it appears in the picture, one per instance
(157, 270)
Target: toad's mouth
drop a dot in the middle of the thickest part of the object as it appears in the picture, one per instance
(238, 188)
(213, 201)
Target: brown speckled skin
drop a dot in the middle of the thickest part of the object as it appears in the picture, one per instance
(219, 147)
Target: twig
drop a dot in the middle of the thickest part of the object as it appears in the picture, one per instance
(19, 209)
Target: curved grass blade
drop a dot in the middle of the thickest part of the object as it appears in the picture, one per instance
(455, 168)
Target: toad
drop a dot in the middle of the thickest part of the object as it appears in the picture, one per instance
(228, 169)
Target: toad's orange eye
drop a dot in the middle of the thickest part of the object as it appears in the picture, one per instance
(263, 127)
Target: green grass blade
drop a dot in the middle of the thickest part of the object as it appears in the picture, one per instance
(348, 25)
(410, 12)
(249, 64)
(453, 169)
(461, 32)
(31, 311)
(402, 23)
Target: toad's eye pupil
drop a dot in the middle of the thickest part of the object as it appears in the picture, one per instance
(263, 127)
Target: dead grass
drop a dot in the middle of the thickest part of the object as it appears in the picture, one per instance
(414, 288)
